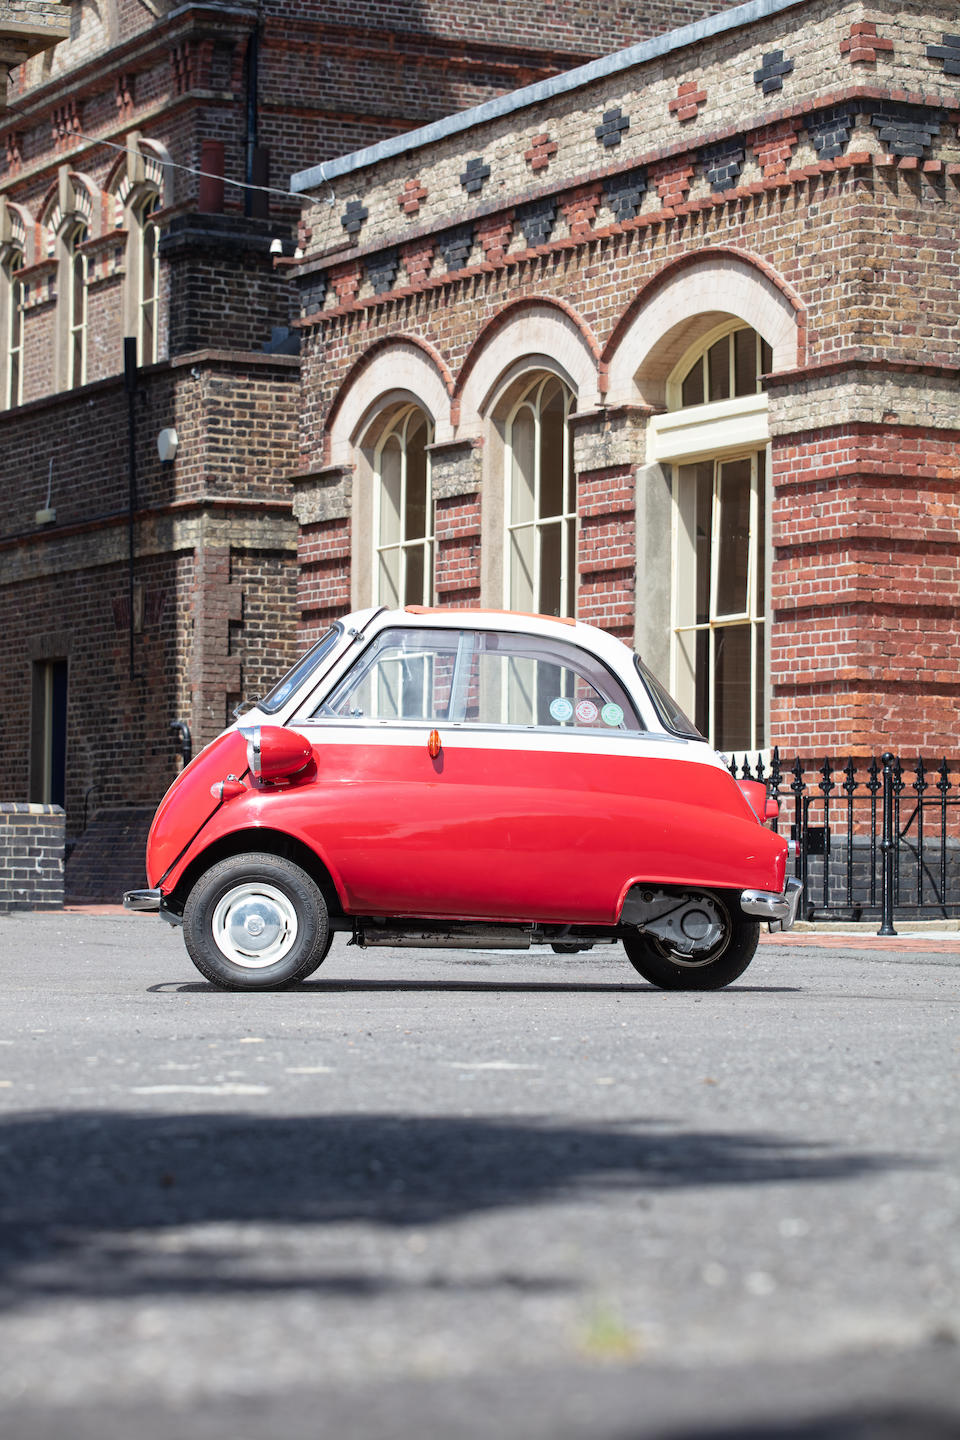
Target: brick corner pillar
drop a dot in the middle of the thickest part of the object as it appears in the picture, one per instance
(455, 469)
(865, 575)
(608, 449)
(323, 502)
(214, 673)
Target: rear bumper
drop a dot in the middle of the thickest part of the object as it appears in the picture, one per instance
(148, 900)
(779, 910)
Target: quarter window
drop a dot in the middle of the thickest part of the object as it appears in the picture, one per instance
(541, 501)
(404, 512)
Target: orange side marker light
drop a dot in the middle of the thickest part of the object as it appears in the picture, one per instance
(433, 744)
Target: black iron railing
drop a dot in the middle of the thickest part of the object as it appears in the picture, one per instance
(870, 841)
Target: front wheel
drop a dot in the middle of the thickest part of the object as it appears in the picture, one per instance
(256, 922)
(670, 968)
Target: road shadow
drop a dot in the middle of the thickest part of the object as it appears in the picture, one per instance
(86, 1197)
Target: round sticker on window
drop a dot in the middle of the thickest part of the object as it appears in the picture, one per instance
(561, 709)
(587, 712)
(611, 715)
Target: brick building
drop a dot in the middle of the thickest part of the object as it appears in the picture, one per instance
(671, 339)
(666, 335)
(140, 590)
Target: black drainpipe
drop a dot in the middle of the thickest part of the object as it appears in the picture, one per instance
(253, 83)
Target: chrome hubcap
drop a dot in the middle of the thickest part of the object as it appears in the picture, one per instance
(255, 925)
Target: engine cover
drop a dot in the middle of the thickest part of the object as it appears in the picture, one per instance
(689, 923)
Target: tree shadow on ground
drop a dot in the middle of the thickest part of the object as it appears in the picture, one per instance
(84, 1197)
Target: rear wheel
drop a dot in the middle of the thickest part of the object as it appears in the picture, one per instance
(669, 967)
(256, 922)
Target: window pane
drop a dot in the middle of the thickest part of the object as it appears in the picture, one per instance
(718, 366)
(745, 362)
(732, 687)
(413, 580)
(388, 578)
(766, 358)
(761, 534)
(551, 538)
(691, 392)
(552, 426)
(78, 292)
(733, 537)
(701, 711)
(390, 470)
(522, 444)
(416, 516)
(570, 541)
(703, 479)
(761, 688)
(522, 543)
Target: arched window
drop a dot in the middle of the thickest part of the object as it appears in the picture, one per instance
(729, 367)
(148, 299)
(720, 552)
(540, 573)
(74, 300)
(403, 512)
(15, 300)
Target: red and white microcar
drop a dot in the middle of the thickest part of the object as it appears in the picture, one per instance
(465, 778)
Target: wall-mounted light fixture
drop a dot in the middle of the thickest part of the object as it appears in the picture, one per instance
(168, 443)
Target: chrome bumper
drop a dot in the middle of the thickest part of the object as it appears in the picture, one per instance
(780, 910)
(142, 900)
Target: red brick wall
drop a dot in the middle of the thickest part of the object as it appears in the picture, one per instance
(606, 568)
(323, 558)
(866, 621)
(457, 561)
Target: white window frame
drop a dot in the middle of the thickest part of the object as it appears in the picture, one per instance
(716, 432)
(532, 399)
(683, 657)
(75, 330)
(15, 303)
(399, 428)
(148, 306)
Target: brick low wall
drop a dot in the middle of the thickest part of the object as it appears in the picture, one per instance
(31, 856)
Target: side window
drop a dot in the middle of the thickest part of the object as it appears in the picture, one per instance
(483, 678)
(533, 680)
(402, 675)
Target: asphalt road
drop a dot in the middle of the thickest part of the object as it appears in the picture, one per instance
(469, 1195)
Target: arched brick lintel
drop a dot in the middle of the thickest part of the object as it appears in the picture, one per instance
(393, 365)
(535, 325)
(648, 339)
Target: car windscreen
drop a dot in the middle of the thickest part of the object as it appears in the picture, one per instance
(669, 711)
(304, 667)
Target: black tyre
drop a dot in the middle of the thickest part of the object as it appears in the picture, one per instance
(723, 963)
(256, 922)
